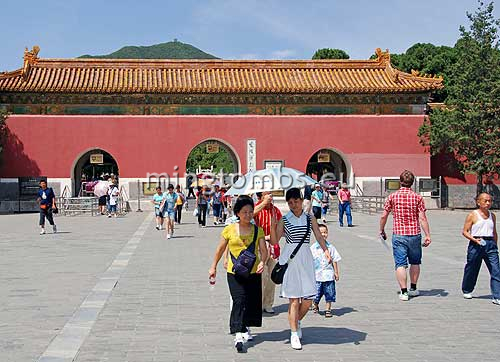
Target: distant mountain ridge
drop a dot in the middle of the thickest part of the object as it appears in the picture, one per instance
(170, 50)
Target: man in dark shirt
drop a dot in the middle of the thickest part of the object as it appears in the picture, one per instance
(47, 203)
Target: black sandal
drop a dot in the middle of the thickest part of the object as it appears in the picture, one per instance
(328, 314)
(315, 308)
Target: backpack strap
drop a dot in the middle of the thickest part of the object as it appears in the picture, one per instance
(250, 247)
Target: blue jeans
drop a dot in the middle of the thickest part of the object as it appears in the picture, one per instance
(406, 249)
(327, 289)
(475, 256)
(345, 207)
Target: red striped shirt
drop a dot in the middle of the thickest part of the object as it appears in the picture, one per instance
(263, 218)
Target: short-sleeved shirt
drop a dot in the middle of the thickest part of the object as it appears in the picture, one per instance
(344, 195)
(406, 205)
(46, 196)
(324, 271)
(237, 243)
(158, 199)
(180, 199)
(263, 218)
(170, 200)
(113, 193)
(216, 198)
(203, 197)
(318, 194)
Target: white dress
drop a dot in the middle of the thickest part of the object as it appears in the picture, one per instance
(299, 280)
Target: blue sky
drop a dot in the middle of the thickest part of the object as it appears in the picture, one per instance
(228, 29)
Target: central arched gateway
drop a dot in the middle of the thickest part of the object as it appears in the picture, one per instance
(91, 166)
(329, 164)
(213, 155)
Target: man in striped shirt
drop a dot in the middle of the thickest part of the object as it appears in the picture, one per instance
(408, 210)
(263, 212)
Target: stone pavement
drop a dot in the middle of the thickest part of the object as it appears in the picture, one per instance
(116, 290)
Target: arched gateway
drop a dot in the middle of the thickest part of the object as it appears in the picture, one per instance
(329, 164)
(92, 165)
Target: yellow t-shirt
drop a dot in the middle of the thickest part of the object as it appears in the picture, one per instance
(237, 243)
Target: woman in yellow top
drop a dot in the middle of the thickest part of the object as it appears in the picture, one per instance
(246, 292)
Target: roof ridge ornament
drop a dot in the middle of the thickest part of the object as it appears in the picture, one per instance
(30, 58)
(383, 57)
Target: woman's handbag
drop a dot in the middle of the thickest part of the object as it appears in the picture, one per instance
(279, 270)
(243, 264)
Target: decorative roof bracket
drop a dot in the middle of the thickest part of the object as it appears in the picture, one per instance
(30, 58)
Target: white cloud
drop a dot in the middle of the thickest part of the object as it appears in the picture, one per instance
(283, 54)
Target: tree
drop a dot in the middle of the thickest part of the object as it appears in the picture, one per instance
(328, 53)
(3, 131)
(220, 160)
(469, 126)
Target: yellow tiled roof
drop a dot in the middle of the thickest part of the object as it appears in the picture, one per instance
(108, 76)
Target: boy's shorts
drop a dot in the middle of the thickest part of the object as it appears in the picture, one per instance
(112, 208)
(326, 289)
(158, 212)
(170, 213)
(407, 249)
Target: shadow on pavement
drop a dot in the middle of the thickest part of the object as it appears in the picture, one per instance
(341, 311)
(283, 308)
(314, 335)
(433, 293)
(487, 296)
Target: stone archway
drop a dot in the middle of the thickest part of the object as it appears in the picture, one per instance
(91, 166)
(212, 156)
(329, 164)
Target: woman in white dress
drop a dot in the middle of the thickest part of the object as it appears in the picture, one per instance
(299, 282)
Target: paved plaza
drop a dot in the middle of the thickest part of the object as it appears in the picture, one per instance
(117, 290)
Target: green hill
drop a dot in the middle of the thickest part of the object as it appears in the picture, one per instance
(171, 50)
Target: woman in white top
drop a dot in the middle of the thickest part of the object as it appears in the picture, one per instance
(481, 231)
(299, 283)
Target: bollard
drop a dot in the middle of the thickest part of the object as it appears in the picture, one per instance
(138, 197)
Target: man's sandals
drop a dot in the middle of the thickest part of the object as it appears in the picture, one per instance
(328, 314)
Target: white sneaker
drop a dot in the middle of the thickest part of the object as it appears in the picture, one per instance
(269, 310)
(403, 297)
(168, 236)
(247, 336)
(295, 342)
(467, 295)
(413, 293)
(42, 232)
(54, 229)
(496, 301)
(238, 343)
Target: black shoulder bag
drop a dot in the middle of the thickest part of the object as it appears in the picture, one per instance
(243, 264)
(278, 272)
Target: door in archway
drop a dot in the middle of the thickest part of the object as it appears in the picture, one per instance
(92, 166)
(327, 165)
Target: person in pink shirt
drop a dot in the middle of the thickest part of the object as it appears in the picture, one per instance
(344, 205)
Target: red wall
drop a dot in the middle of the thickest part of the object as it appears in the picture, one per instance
(51, 145)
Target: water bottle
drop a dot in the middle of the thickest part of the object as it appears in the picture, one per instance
(211, 283)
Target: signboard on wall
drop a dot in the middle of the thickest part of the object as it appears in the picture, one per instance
(97, 158)
(323, 157)
(273, 164)
(213, 148)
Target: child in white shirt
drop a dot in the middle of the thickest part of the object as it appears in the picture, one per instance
(326, 274)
